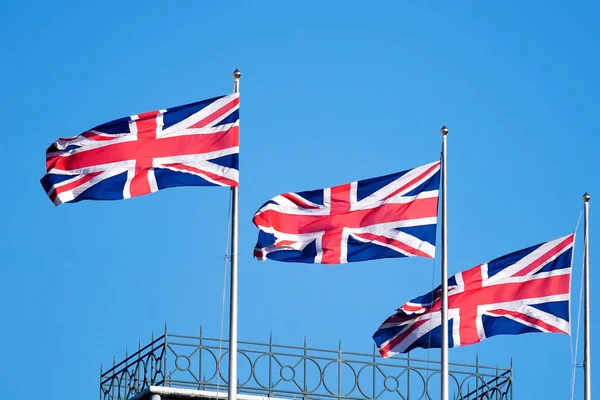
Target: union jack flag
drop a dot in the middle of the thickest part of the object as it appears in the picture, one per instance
(525, 291)
(389, 216)
(192, 145)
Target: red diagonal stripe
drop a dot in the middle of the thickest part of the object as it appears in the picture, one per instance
(530, 319)
(411, 309)
(385, 349)
(546, 256)
(214, 177)
(393, 242)
(95, 136)
(418, 178)
(398, 320)
(206, 121)
(284, 243)
(298, 201)
(73, 184)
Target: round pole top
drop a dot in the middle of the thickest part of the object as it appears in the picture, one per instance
(237, 74)
(444, 130)
(586, 197)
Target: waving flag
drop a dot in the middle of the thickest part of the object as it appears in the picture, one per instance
(526, 291)
(388, 216)
(191, 145)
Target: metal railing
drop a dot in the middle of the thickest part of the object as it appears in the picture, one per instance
(269, 369)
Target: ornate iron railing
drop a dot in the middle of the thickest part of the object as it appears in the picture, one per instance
(273, 370)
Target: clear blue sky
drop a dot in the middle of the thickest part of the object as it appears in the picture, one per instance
(332, 92)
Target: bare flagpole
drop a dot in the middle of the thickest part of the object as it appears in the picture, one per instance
(587, 378)
(233, 290)
(444, 308)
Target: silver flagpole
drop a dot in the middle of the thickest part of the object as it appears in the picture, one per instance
(444, 376)
(587, 378)
(233, 290)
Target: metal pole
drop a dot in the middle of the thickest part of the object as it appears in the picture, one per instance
(444, 308)
(233, 291)
(587, 378)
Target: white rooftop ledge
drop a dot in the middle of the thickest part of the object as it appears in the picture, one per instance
(172, 392)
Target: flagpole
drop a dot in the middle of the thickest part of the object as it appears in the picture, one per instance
(233, 290)
(444, 308)
(587, 378)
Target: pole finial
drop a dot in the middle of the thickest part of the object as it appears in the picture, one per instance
(586, 197)
(444, 130)
(237, 74)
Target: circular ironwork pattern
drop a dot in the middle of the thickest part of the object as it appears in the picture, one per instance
(128, 380)
(391, 388)
(182, 365)
(286, 373)
(292, 373)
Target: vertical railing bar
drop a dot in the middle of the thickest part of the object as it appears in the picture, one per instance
(139, 358)
(165, 371)
(340, 370)
(374, 368)
(497, 372)
(100, 381)
(113, 369)
(271, 364)
(477, 376)
(510, 385)
(152, 357)
(126, 371)
(304, 387)
(200, 361)
(408, 376)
